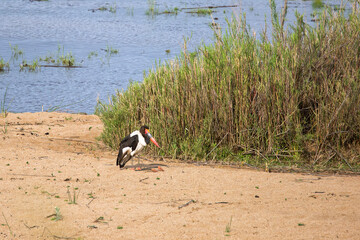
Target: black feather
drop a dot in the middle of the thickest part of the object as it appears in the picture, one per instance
(126, 142)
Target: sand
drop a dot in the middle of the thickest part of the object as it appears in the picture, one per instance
(47, 158)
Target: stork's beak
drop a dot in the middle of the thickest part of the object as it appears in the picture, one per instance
(151, 138)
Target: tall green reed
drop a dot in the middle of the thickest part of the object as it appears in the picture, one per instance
(285, 99)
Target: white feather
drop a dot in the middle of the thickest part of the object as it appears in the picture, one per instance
(141, 143)
(126, 153)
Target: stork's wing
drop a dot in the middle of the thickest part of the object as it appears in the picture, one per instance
(127, 142)
(125, 139)
(130, 142)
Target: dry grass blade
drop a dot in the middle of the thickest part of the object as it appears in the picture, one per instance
(7, 224)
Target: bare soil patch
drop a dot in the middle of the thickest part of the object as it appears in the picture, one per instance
(47, 158)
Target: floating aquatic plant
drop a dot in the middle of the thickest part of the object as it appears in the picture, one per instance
(3, 65)
(152, 8)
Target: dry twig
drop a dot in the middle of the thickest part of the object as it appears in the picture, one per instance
(184, 205)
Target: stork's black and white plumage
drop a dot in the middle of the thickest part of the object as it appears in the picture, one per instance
(133, 144)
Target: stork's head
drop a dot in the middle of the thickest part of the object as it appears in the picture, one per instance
(144, 130)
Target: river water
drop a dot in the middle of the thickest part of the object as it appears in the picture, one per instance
(58, 27)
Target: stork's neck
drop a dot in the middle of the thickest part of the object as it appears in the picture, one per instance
(147, 138)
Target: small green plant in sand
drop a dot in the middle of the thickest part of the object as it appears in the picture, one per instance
(57, 215)
(3, 108)
(5, 127)
(228, 227)
(91, 195)
(7, 224)
(100, 219)
(73, 199)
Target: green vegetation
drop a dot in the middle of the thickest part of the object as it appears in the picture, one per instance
(61, 59)
(72, 199)
(228, 227)
(174, 10)
(110, 51)
(152, 8)
(111, 9)
(3, 65)
(32, 67)
(57, 215)
(202, 11)
(92, 54)
(317, 4)
(292, 100)
(16, 52)
(65, 59)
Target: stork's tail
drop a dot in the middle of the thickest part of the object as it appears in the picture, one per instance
(119, 157)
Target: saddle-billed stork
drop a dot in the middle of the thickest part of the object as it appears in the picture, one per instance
(133, 144)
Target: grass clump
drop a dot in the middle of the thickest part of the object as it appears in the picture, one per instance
(317, 4)
(16, 52)
(61, 58)
(152, 8)
(228, 227)
(110, 51)
(292, 100)
(202, 11)
(92, 54)
(32, 67)
(57, 215)
(174, 10)
(65, 59)
(111, 8)
(73, 199)
(3, 65)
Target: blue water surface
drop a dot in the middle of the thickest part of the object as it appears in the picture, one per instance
(56, 27)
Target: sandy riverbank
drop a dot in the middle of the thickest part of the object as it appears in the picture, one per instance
(46, 158)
